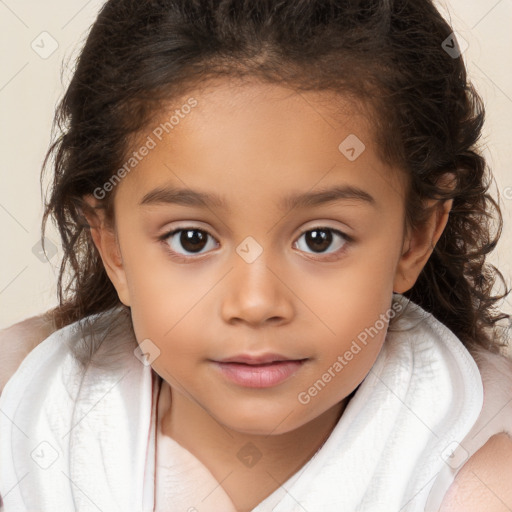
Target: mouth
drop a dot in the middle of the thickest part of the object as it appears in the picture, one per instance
(258, 372)
(262, 359)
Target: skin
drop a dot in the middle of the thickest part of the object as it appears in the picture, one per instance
(254, 144)
(483, 483)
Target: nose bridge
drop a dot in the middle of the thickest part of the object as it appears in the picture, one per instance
(255, 294)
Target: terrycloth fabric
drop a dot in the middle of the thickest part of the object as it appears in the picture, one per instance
(74, 440)
(86, 440)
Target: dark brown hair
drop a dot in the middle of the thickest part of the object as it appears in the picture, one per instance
(391, 55)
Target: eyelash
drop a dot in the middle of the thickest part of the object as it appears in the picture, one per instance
(187, 259)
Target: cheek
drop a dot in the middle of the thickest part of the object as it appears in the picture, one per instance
(352, 308)
(161, 292)
(352, 297)
(167, 307)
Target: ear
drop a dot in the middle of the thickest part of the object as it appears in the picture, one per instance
(106, 241)
(419, 244)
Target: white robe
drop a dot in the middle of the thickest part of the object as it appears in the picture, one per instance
(89, 440)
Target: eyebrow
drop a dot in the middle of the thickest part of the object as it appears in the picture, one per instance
(189, 197)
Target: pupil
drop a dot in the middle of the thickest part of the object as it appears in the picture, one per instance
(319, 239)
(190, 238)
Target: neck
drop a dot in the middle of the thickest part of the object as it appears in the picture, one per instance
(260, 463)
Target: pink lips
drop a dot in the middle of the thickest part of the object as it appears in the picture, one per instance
(258, 371)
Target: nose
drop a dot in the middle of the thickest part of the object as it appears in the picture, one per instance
(255, 294)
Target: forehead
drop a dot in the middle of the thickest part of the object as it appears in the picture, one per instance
(267, 136)
(263, 102)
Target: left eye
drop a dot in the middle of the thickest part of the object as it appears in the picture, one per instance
(320, 239)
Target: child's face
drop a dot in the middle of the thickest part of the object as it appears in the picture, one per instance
(254, 146)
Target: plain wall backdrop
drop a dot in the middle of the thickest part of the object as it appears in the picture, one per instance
(36, 37)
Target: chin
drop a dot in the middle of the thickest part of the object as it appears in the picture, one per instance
(260, 424)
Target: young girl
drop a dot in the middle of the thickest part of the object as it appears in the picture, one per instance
(275, 221)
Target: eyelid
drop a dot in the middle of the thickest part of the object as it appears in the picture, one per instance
(327, 225)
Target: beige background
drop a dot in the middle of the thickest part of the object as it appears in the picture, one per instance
(31, 84)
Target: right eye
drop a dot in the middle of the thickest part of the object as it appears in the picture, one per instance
(191, 240)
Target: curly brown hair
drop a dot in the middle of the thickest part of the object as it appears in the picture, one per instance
(388, 54)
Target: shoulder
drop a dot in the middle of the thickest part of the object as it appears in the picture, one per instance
(496, 414)
(18, 340)
(483, 483)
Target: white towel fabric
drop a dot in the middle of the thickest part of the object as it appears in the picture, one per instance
(73, 439)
